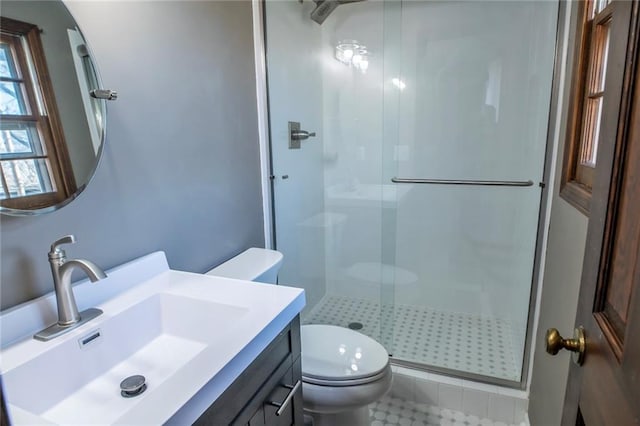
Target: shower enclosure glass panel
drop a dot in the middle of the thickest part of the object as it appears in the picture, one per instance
(440, 274)
(296, 94)
(474, 105)
(328, 197)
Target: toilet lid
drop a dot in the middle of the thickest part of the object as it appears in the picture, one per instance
(338, 353)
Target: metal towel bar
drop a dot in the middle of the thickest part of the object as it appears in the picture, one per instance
(464, 182)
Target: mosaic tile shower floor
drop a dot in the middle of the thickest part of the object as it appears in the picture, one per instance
(398, 412)
(452, 340)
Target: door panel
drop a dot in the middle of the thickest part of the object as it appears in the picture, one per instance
(606, 389)
(613, 301)
(610, 390)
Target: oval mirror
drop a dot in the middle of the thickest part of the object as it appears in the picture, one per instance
(51, 124)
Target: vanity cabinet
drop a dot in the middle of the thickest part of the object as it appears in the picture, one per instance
(268, 392)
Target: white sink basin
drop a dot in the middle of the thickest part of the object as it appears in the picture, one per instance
(179, 330)
(154, 338)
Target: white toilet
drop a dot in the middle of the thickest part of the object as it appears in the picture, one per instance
(343, 371)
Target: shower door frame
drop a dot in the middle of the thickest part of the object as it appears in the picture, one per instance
(556, 108)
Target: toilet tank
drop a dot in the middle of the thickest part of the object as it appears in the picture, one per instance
(254, 264)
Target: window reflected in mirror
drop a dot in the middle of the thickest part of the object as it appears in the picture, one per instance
(35, 170)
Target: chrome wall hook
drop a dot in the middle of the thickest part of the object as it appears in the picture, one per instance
(110, 95)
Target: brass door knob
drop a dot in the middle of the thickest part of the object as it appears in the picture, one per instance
(577, 345)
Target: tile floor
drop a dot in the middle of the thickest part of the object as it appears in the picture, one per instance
(420, 334)
(390, 411)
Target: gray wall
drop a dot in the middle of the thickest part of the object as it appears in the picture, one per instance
(559, 298)
(180, 171)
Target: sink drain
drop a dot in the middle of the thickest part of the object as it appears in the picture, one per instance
(133, 386)
(355, 325)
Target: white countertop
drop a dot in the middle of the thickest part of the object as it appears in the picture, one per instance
(184, 394)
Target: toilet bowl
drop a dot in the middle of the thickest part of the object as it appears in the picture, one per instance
(343, 371)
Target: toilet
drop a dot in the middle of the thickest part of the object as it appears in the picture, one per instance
(343, 371)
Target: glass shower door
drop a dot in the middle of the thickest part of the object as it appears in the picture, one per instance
(469, 154)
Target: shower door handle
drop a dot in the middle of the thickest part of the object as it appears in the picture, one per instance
(464, 182)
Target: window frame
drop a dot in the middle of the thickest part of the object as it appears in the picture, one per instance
(48, 123)
(619, 16)
(574, 188)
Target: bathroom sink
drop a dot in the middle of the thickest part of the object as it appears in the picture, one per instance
(154, 338)
(187, 334)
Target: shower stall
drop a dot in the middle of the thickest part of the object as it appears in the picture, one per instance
(407, 154)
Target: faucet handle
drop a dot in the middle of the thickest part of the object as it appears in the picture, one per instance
(55, 249)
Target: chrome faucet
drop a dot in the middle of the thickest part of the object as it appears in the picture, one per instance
(61, 268)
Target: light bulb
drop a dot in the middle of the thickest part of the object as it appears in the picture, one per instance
(347, 54)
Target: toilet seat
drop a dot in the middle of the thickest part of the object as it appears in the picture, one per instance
(339, 383)
(338, 356)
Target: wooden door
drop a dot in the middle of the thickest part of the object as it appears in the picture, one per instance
(606, 389)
